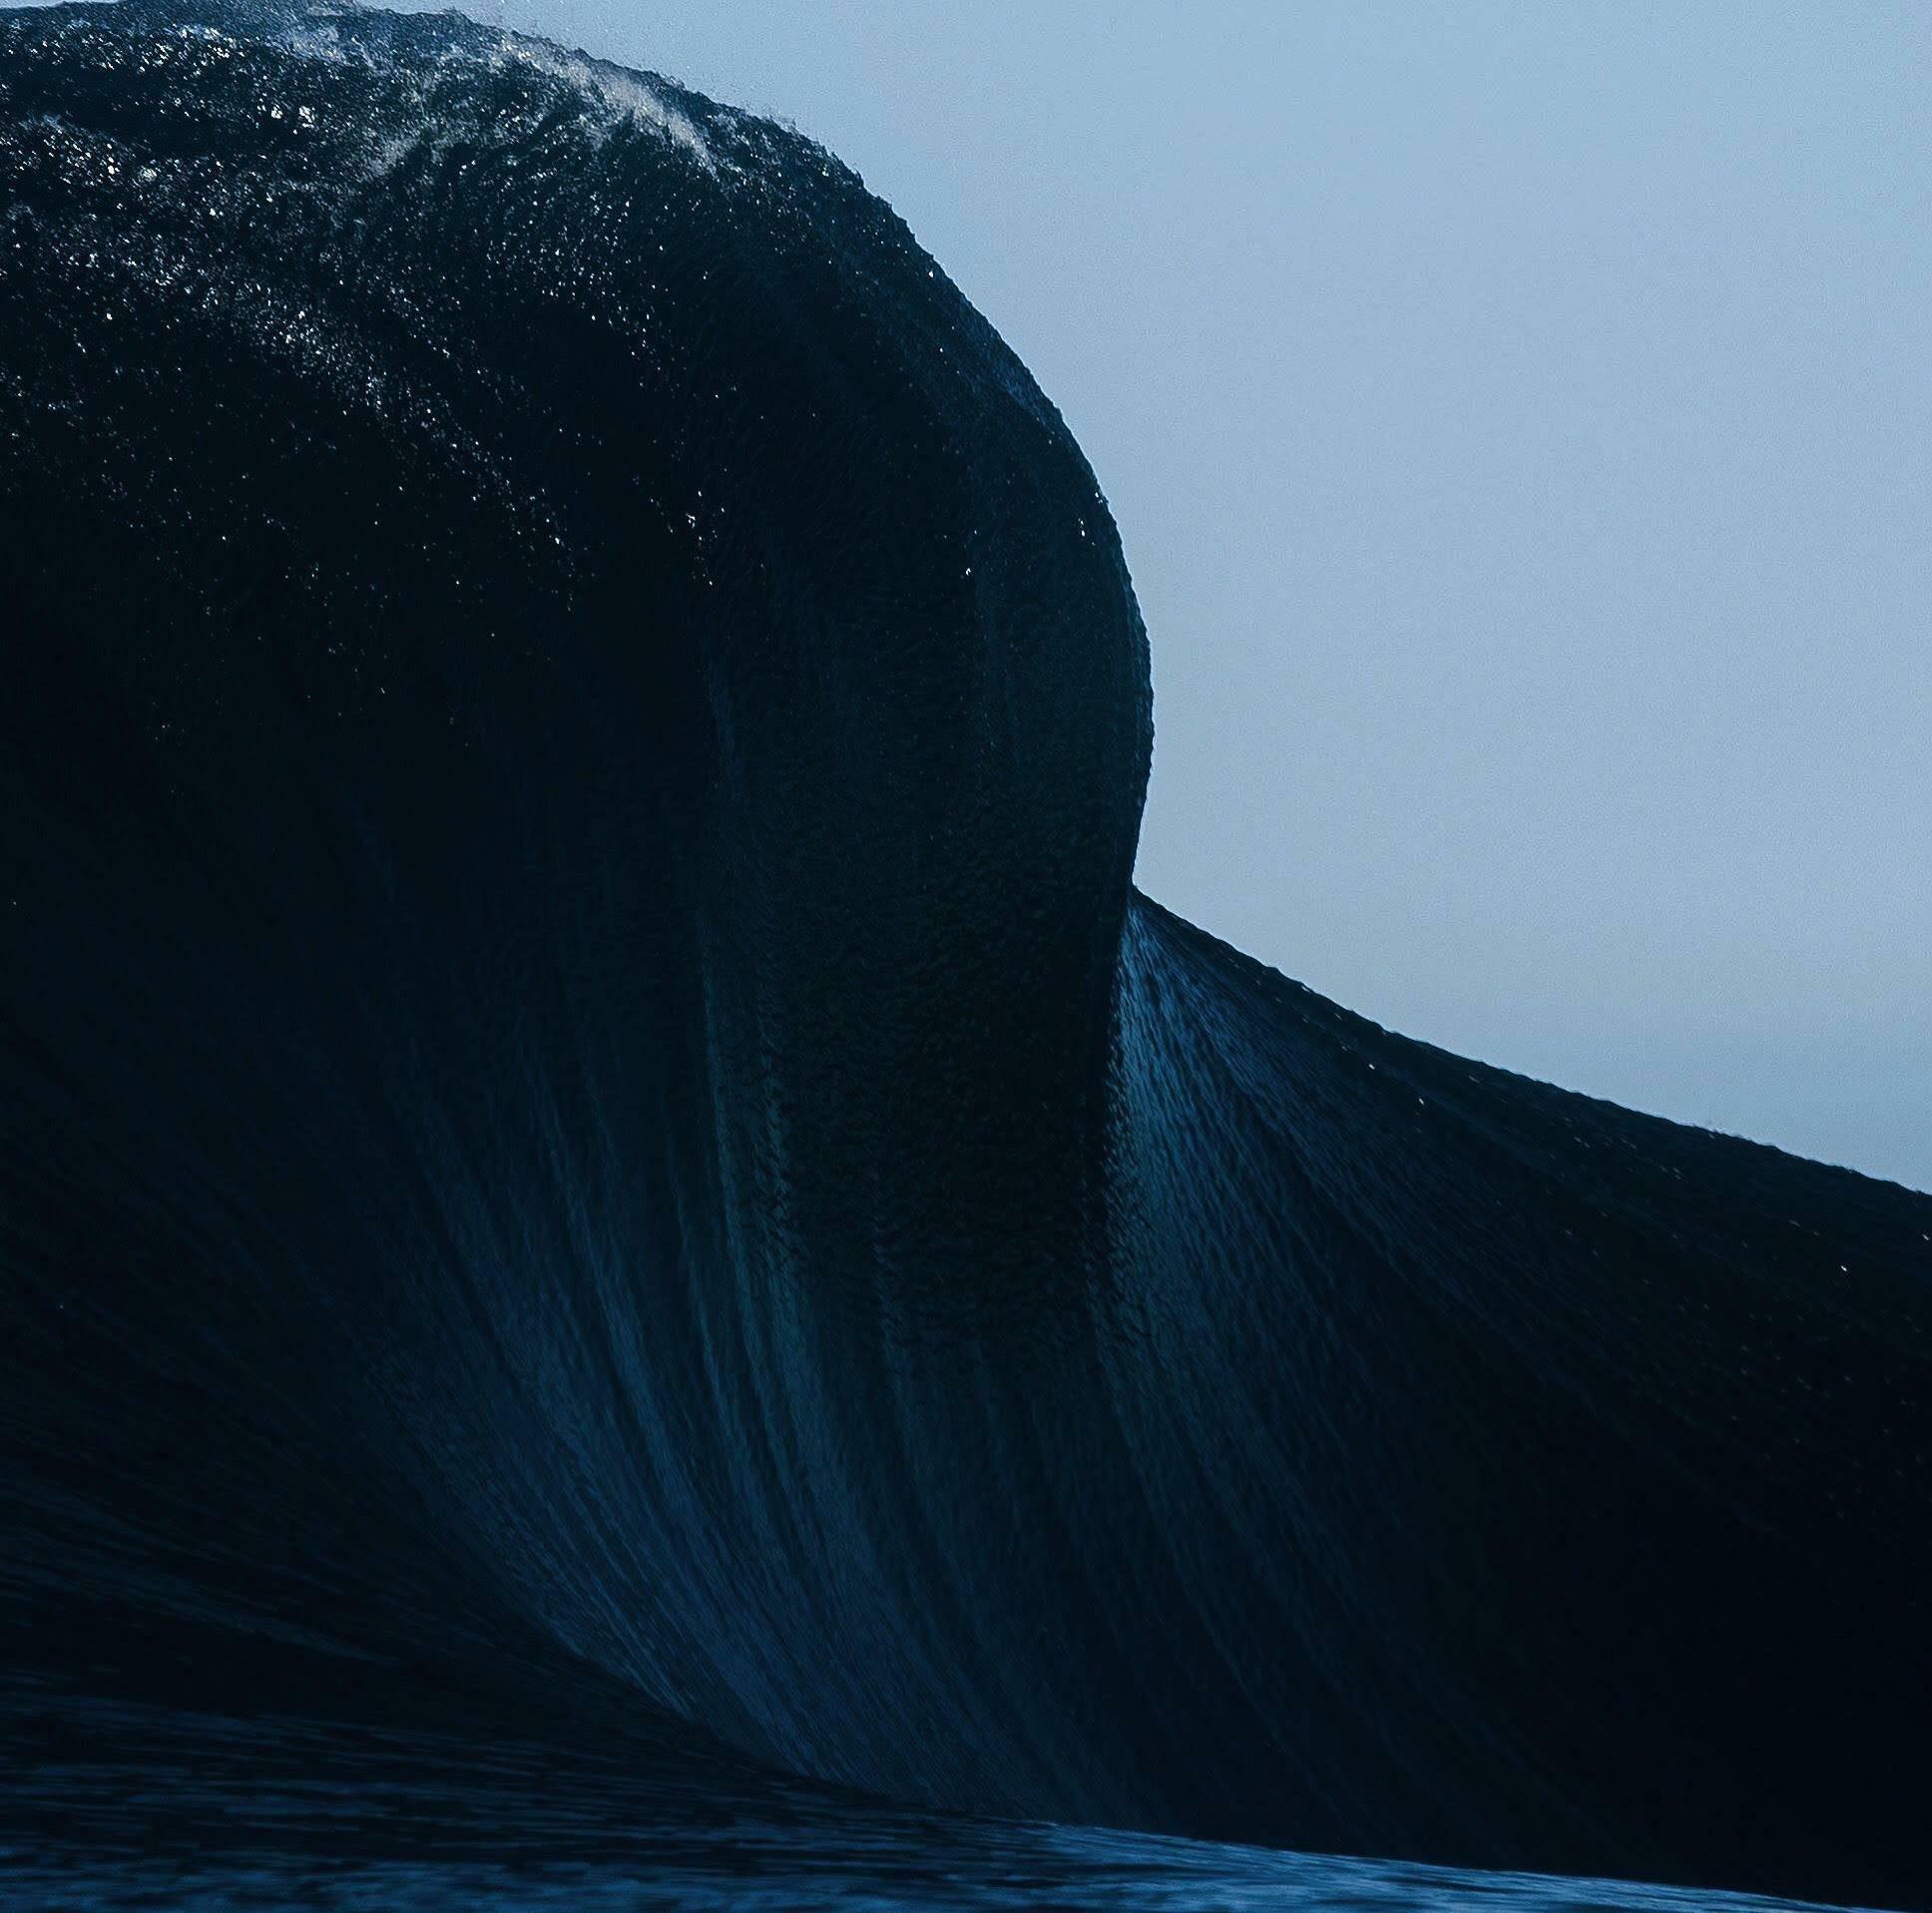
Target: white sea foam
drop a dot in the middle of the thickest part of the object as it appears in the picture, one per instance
(627, 97)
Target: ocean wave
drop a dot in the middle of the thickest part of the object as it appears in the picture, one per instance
(622, 1239)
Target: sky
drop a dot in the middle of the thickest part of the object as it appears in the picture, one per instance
(1519, 423)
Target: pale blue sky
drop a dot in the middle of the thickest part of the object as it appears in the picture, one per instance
(1519, 420)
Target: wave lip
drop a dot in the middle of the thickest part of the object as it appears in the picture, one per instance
(613, 1217)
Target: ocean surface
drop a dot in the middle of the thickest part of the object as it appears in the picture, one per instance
(631, 1273)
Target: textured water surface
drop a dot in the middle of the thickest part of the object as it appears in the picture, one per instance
(621, 1240)
(210, 1811)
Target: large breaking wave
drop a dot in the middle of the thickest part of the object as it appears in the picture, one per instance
(623, 1240)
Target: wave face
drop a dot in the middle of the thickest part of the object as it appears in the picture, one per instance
(620, 1237)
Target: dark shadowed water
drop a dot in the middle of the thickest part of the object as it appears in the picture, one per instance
(192, 1808)
(620, 1240)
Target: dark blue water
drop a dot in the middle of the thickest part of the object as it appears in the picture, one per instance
(631, 1272)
